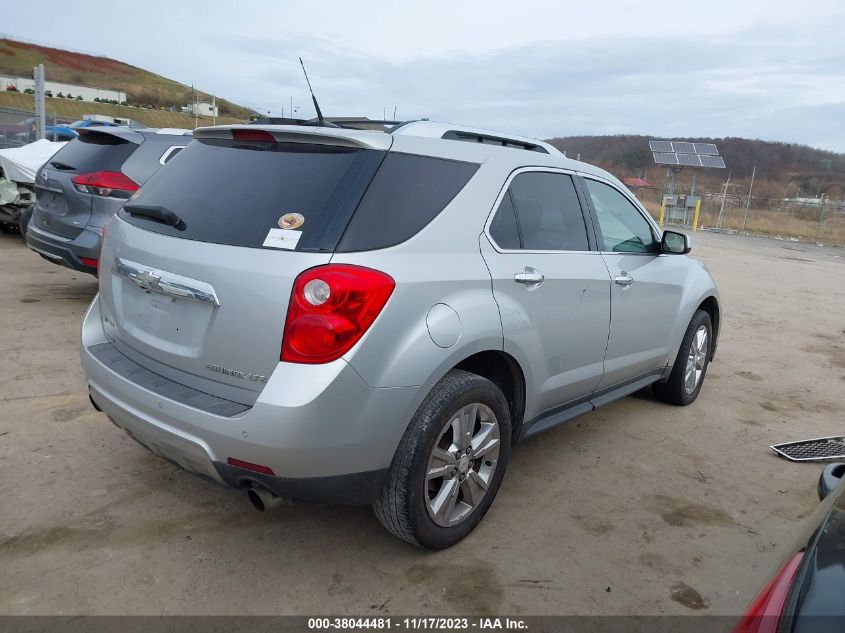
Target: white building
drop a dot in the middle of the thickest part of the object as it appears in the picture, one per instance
(203, 108)
(55, 87)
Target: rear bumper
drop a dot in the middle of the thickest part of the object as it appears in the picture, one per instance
(327, 435)
(350, 489)
(65, 251)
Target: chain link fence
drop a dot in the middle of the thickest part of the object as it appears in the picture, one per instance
(818, 220)
(17, 127)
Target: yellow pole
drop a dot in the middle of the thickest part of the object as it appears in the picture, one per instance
(662, 212)
(695, 215)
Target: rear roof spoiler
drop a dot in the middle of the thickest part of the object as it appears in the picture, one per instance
(300, 134)
(120, 132)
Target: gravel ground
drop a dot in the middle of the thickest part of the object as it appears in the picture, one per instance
(637, 508)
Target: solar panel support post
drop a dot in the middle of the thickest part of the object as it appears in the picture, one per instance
(692, 187)
(695, 215)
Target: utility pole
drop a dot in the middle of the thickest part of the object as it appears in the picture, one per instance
(821, 216)
(40, 114)
(722, 206)
(194, 105)
(214, 109)
(748, 200)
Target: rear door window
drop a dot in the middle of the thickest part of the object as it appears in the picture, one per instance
(234, 192)
(503, 228)
(407, 193)
(547, 216)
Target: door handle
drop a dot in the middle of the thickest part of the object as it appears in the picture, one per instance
(623, 279)
(529, 276)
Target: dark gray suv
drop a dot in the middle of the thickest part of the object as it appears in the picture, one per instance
(86, 182)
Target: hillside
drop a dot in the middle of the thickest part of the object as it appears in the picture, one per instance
(67, 111)
(141, 86)
(809, 171)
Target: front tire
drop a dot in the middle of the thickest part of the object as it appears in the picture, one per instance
(450, 463)
(684, 383)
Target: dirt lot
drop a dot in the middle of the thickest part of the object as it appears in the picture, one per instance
(636, 508)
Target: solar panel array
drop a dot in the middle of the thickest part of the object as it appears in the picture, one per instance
(712, 161)
(665, 159)
(686, 154)
(660, 146)
(683, 147)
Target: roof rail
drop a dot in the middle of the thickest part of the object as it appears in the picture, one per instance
(449, 131)
(476, 137)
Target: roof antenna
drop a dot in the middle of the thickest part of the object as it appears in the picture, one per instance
(320, 119)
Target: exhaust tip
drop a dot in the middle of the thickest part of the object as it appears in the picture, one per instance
(256, 500)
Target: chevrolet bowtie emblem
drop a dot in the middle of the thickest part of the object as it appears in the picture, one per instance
(147, 279)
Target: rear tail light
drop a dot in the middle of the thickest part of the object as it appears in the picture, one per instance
(93, 263)
(105, 183)
(764, 614)
(330, 309)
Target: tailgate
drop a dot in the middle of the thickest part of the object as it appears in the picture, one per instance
(206, 315)
(197, 269)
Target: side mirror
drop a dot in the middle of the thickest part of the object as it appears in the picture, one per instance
(675, 243)
(830, 478)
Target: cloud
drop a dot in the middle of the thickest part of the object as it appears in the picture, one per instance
(753, 86)
(771, 70)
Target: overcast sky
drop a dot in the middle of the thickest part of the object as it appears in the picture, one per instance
(750, 68)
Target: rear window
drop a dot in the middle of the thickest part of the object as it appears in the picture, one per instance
(406, 194)
(93, 152)
(236, 192)
(242, 192)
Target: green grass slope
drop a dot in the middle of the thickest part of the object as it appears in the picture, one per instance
(141, 87)
(65, 109)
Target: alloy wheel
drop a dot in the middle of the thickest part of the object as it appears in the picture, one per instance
(461, 465)
(696, 359)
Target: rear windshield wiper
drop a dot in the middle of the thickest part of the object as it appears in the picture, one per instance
(156, 213)
(62, 166)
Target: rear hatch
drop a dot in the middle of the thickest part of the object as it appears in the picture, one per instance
(198, 267)
(63, 209)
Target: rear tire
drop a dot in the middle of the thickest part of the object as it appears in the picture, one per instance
(687, 377)
(440, 485)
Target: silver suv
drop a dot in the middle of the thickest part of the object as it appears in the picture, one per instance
(365, 317)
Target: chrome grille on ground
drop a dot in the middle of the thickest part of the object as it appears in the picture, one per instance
(818, 449)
